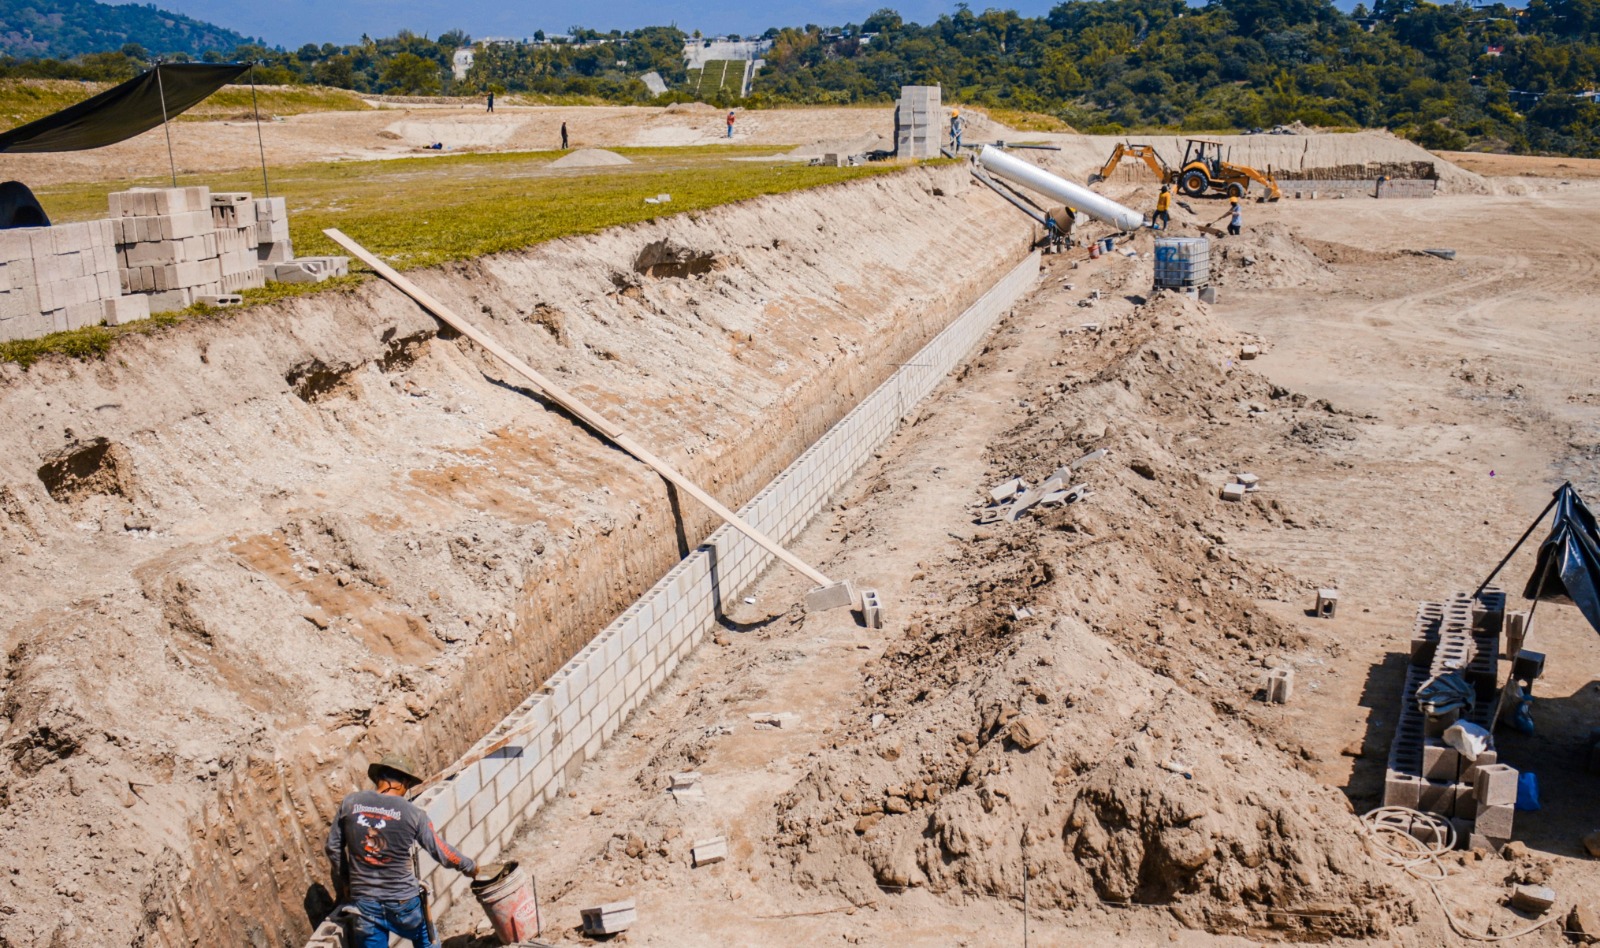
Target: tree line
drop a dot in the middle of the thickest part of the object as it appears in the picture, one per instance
(1447, 75)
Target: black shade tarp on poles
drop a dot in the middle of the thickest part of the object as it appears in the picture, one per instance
(120, 113)
(1568, 567)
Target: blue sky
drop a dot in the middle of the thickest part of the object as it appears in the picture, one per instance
(293, 23)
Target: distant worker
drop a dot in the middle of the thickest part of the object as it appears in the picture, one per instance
(1235, 217)
(491, 101)
(730, 123)
(371, 845)
(955, 131)
(563, 136)
(1162, 219)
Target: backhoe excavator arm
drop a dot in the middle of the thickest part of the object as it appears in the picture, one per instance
(1146, 153)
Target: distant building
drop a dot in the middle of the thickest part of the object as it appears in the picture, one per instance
(1493, 50)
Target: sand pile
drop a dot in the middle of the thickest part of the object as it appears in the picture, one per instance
(1099, 746)
(590, 158)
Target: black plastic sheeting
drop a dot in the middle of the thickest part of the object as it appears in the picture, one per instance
(1569, 559)
(120, 113)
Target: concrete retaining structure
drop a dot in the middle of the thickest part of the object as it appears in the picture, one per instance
(1392, 188)
(568, 720)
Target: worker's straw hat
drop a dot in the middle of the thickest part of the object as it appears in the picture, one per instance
(394, 763)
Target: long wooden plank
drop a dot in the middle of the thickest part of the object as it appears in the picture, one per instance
(567, 400)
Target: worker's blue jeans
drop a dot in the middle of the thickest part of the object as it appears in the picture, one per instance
(379, 920)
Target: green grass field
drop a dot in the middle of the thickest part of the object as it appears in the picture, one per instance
(420, 212)
(24, 100)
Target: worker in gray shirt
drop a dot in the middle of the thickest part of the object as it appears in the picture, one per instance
(371, 846)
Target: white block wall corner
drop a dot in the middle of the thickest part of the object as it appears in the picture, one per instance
(574, 714)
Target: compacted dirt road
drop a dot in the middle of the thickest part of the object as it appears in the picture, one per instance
(1408, 417)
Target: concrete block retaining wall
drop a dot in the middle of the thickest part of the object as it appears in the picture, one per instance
(1393, 188)
(571, 717)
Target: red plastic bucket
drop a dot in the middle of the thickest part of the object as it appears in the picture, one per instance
(508, 900)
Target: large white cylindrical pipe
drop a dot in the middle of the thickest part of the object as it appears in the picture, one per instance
(1074, 196)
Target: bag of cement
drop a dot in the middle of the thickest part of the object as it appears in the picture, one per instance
(1444, 693)
(1467, 738)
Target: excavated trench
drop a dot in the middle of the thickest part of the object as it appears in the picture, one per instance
(243, 557)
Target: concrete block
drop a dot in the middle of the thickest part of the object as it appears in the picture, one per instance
(1402, 789)
(709, 851)
(169, 300)
(1327, 603)
(1494, 820)
(91, 313)
(1280, 685)
(1437, 797)
(609, 919)
(125, 309)
(1440, 761)
(833, 596)
(1234, 492)
(871, 609)
(1537, 899)
(1528, 665)
(1496, 785)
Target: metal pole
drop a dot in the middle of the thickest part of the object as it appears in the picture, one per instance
(266, 185)
(1525, 534)
(161, 90)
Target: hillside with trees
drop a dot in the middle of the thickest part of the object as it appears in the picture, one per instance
(1449, 76)
(63, 29)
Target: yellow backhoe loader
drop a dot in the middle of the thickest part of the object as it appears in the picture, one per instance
(1203, 170)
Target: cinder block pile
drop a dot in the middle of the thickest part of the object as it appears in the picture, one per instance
(233, 219)
(272, 231)
(179, 245)
(1460, 634)
(919, 122)
(57, 278)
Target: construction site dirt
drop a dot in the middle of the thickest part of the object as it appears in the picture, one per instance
(242, 558)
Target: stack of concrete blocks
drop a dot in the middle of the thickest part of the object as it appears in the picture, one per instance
(919, 123)
(569, 719)
(167, 246)
(306, 269)
(1425, 773)
(272, 231)
(233, 217)
(57, 278)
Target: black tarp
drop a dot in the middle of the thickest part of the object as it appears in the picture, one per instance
(122, 112)
(1568, 567)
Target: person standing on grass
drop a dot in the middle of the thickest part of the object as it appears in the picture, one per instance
(1162, 218)
(491, 100)
(730, 123)
(563, 136)
(371, 846)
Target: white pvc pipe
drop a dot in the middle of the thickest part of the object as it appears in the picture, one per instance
(1072, 195)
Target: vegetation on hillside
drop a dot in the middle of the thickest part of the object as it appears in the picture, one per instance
(63, 29)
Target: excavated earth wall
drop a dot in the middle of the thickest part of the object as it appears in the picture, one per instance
(243, 557)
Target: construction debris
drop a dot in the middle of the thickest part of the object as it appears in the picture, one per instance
(1537, 899)
(1280, 685)
(612, 918)
(709, 851)
(1327, 603)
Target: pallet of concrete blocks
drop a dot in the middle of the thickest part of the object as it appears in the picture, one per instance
(919, 130)
(272, 231)
(306, 269)
(58, 278)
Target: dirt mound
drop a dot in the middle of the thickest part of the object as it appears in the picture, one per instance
(1269, 256)
(1098, 747)
(590, 158)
